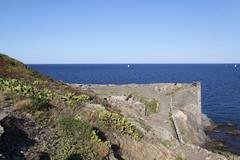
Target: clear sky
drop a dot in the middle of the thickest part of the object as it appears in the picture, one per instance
(121, 31)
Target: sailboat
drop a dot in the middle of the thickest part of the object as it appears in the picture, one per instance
(128, 66)
(235, 66)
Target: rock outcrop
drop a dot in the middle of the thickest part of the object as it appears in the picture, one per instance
(178, 123)
(41, 118)
(186, 109)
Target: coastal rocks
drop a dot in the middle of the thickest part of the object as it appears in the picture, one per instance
(187, 112)
(175, 131)
(178, 85)
(127, 105)
(230, 129)
(187, 101)
(147, 148)
(136, 112)
(168, 88)
(143, 150)
(234, 133)
(187, 129)
(180, 115)
(206, 122)
(215, 144)
(226, 125)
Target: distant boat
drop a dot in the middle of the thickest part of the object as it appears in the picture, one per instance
(235, 66)
(128, 66)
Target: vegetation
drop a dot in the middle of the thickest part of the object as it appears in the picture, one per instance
(72, 99)
(39, 82)
(144, 125)
(151, 105)
(37, 94)
(39, 104)
(118, 122)
(179, 157)
(54, 126)
(166, 143)
(11, 68)
(227, 154)
(171, 119)
(43, 96)
(79, 138)
(76, 127)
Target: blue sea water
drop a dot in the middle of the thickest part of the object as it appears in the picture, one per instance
(220, 83)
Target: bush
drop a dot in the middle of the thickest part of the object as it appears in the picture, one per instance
(76, 128)
(40, 104)
(16, 86)
(116, 121)
(151, 105)
(80, 140)
(33, 104)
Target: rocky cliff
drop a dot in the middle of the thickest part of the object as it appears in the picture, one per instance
(169, 114)
(41, 118)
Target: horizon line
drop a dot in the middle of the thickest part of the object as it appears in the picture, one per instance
(131, 63)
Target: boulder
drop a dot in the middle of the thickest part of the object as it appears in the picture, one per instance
(234, 133)
(128, 106)
(206, 122)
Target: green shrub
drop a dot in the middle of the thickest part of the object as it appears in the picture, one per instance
(16, 86)
(40, 82)
(115, 120)
(76, 127)
(166, 143)
(81, 139)
(40, 104)
(151, 105)
(180, 157)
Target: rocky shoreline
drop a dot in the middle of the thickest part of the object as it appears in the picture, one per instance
(184, 104)
(41, 118)
(209, 142)
(221, 136)
(170, 113)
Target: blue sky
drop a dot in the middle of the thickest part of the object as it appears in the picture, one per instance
(121, 31)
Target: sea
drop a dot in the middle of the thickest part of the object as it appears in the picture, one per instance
(220, 85)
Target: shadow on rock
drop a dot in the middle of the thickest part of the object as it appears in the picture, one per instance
(116, 152)
(14, 140)
(75, 157)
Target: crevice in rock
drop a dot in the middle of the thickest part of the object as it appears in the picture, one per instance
(116, 152)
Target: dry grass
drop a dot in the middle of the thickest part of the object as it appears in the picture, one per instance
(21, 104)
(2, 97)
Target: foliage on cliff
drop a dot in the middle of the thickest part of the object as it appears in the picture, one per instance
(11, 68)
(50, 110)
